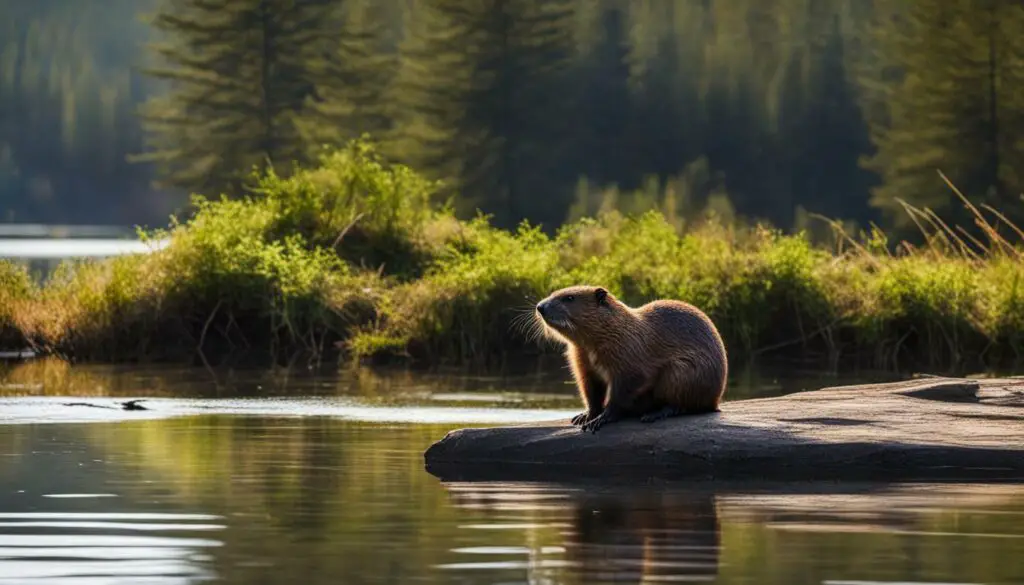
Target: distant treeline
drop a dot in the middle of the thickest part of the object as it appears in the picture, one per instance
(539, 109)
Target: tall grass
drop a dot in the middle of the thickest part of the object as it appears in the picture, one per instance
(16, 293)
(356, 255)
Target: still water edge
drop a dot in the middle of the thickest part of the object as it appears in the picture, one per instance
(327, 485)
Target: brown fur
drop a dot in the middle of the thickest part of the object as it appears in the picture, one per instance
(662, 359)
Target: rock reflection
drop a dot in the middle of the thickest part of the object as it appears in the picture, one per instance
(616, 536)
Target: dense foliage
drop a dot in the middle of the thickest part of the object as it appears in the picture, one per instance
(353, 254)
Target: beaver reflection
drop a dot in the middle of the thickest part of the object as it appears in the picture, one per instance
(623, 538)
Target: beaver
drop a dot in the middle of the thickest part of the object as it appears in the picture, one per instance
(660, 360)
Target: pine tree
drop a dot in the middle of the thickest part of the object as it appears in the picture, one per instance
(667, 121)
(238, 73)
(602, 76)
(947, 91)
(68, 98)
(827, 136)
(482, 96)
(424, 122)
(352, 80)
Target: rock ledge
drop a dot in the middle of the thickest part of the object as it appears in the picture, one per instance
(925, 429)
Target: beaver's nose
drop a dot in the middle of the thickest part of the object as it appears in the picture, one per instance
(541, 307)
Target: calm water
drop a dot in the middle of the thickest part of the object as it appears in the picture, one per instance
(58, 248)
(227, 484)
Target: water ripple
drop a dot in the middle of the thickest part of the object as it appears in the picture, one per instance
(91, 548)
(49, 410)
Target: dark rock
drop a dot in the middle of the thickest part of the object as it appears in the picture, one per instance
(929, 430)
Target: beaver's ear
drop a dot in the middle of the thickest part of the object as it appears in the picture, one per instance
(601, 295)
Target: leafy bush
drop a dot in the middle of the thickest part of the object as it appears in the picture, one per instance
(467, 302)
(243, 273)
(358, 253)
(16, 292)
(367, 211)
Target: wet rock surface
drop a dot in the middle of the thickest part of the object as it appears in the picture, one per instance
(923, 429)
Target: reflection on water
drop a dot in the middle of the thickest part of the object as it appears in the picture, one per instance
(88, 548)
(550, 384)
(631, 536)
(319, 500)
(60, 523)
(252, 477)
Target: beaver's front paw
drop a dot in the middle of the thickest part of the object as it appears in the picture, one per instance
(580, 419)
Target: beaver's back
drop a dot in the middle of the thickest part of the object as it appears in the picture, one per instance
(681, 326)
(689, 348)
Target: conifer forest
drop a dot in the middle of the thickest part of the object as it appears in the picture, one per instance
(114, 111)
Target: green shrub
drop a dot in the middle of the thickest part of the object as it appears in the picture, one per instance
(246, 273)
(752, 284)
(1002, 306)
(468, 301)
(16, 292)
(367, 211)
(356, 253)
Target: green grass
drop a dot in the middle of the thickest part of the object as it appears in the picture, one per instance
(357, 255)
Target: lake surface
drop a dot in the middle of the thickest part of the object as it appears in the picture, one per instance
(61, 248)
(255, 477)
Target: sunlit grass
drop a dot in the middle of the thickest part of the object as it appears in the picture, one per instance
(17, 292)
(357, 255)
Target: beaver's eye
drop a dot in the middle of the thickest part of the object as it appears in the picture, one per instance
(568, 298)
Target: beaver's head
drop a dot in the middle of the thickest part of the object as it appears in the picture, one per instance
(572, 313)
